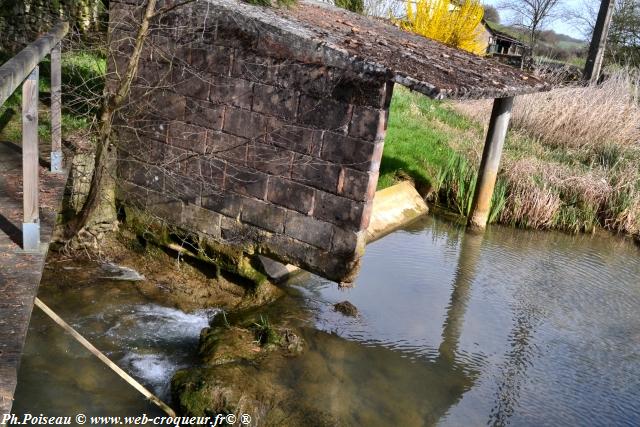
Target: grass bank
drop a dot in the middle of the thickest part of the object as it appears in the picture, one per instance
(571, 159)
(427, 142)
(83, 71)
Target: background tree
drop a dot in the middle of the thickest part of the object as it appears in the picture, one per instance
(583, 16)
(384, 8)
(491, 14)
(532, 14)
(623, 41)
(456, 24)
(623, 45)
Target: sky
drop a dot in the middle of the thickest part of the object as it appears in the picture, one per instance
(559, 25)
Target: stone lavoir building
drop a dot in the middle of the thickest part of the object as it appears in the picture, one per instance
(260, 130)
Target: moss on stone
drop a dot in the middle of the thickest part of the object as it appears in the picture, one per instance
(244, 358)
(198, 394)
(246, 269)
(227, 344)
(230, 258)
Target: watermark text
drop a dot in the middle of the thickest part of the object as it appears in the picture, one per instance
(82, 419)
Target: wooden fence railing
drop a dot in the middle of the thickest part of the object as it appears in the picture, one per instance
(24, 69)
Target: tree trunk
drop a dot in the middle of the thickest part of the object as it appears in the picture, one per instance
(99, 206)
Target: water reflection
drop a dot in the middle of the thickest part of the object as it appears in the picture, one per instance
(431, 379)
(513, 370)
(470, 245)
(507, 327)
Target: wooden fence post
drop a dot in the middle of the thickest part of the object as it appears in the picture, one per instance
(487, 174)
(56, 110)
(30, 166)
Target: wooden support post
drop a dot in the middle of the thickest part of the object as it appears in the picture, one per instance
(104, 359)
(598, 42)
(56, 110)
(498, 124)
(30, 166)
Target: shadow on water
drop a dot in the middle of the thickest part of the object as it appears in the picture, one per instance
(454, 321)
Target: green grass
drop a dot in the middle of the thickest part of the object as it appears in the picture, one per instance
(82, 83)
(578, 62)
(565, 44)
(507, 30)
(414, 148)
(541, 184)
(265, 333)
(419, 146)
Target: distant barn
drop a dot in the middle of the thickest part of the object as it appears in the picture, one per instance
(503, 46)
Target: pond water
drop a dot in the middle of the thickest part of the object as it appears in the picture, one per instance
(454, 328)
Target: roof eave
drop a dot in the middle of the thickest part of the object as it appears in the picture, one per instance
(466, 93)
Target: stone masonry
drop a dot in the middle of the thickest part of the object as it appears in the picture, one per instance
(238, 133)
(22, 21)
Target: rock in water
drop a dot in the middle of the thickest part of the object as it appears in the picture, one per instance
(346, 308)
(120, 272)
(292, 343)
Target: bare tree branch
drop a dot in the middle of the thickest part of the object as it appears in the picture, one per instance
(532, 14)
(112, 102)
(583, 16)
(167, 9)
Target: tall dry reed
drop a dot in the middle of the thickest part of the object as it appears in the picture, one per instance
(573, 159)
(576, 117)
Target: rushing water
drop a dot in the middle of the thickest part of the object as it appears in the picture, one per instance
(509, 326)
(148, 340)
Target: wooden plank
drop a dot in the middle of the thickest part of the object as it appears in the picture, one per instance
(30, 162)
(104, 359)
(20, 271)
(488, 172)
(15, 70)
(56, 109)
(19, 286)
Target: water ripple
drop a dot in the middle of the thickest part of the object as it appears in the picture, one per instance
(545, 325)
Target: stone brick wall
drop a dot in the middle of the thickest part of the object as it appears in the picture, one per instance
(22, 21)
(240, 138)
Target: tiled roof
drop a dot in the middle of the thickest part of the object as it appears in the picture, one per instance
(317, 32)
